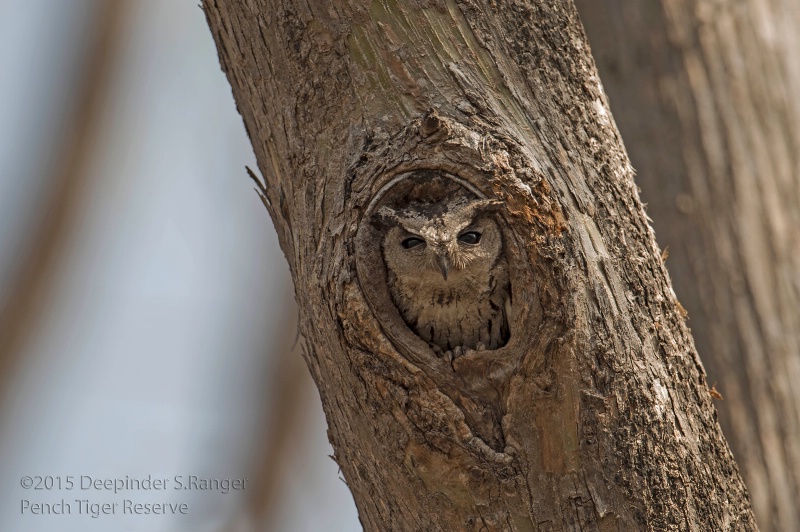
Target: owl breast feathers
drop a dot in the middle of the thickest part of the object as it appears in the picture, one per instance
(447, 272)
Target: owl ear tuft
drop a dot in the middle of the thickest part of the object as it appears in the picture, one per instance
(486, 206)
(387, 216)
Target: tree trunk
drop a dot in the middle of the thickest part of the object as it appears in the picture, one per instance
(596, 414)
(705, 94)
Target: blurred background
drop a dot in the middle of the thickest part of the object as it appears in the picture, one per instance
(147, 321)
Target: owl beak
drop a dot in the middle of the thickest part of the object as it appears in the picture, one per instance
(443, 263)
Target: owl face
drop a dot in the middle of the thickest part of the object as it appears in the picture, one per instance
(442, 242)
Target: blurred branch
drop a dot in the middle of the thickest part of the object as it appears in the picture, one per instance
(21, 313)
(288, 399)
(286, 394)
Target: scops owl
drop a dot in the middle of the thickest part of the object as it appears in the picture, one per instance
(447, 272)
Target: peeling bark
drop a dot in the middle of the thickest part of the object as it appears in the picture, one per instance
(604, 417)
(705, 94)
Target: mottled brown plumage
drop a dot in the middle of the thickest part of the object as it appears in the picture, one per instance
(447, 272)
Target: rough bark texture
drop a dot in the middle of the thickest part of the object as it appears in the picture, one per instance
(706, 96)
(596, 414)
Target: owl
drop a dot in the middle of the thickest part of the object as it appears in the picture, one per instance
(447, 272)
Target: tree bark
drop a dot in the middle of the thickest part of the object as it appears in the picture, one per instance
(705, 97)
(596, 414)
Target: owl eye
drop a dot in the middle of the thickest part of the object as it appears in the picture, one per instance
(412, 242)
(470, 237)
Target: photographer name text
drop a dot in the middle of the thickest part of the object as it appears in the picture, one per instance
(148, 483)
